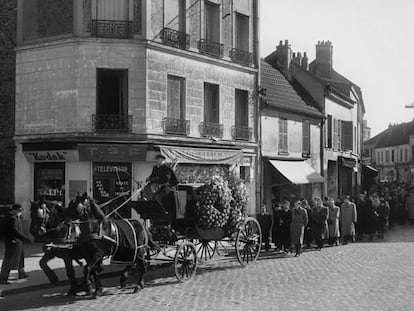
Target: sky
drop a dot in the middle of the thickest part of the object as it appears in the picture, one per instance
(373, 46)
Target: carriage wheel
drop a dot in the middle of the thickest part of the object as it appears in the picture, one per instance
(206, 249)
(185, 261)
(248, 242)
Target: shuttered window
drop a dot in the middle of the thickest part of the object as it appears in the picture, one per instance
(176, 98)
(347, 135)
(242, 108)
(306, 137)
(211, 103)
(212, 22)
(283, 135)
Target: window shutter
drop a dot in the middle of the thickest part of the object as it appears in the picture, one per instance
(347, 135)
(335, 133)
(306, 137)
(329, 132)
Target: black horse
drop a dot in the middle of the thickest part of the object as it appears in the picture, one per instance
(49, 224)
(98, 240)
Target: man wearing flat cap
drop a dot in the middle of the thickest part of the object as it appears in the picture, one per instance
(162, 178)
(14, 237)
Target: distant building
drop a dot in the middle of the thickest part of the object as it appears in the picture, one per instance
(391, 152)
(366, 131)
(341, 102)
(291, 128)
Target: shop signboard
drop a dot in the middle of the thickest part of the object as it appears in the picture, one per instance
(111, 152)
(52, 156)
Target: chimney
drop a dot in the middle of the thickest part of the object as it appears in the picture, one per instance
(323, 61)
(297, 58)
(284, 57)
(304, 62)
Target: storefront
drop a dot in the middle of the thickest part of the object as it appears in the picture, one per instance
(347, 176)
(289, 180)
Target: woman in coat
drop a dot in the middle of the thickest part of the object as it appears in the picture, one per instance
(333, 222)
(348, 219)
(319, 222)
(308, 228)
(383, 211)
(297, 226)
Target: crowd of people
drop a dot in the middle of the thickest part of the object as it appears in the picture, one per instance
(302, 224)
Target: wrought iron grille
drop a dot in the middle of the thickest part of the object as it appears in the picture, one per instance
(112, 29)
(112, 122)
(241, 57)
(211, 129)
(176, 126)
(241, 133)
(175, 38)
(210, 48)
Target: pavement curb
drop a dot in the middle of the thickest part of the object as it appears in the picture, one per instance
(35, 287)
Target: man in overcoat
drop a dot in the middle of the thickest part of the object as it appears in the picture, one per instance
(348, 219)
(297, 226)
(319, 222)
(333, 222)
(13, 239)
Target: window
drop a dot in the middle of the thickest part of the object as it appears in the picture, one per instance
(211, 103)
(49, 181)
(392, 156)
(387, 156)
(283, 135)
(212, 22)
(382, 156)
(242, 32)
(242, 108)
(335, 133)
(113, 10)
(112, 93)
(112, 100)
(401, 155)
(176, 98)
(174, 15)
(306, 137)
(347, 135)
(378, 157)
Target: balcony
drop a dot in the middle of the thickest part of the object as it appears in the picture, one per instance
(241, 57)
(241, 133)
(208, 129)
(175, 38)
(112, 123)
(210, 48)
(176, 126)
(111, 29)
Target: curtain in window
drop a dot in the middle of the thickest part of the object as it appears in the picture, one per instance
(115, 10)
(306, 137)
(175, 95)
(242, 108)
(283, 139)
(211, 103)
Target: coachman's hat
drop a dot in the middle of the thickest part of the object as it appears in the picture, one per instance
(160, 156)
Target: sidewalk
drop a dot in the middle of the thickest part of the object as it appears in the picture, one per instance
(37, 279)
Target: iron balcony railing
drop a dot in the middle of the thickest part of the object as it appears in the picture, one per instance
(176, 126)
(112, 122)
(208, 129)
(111, 29)
(241, 133)
(210, 48)
(175, 38)
(241, 57)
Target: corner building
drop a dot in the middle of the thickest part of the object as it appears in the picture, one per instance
(104, 85)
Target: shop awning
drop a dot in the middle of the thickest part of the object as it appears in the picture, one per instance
(371, 168)
(201, 155)
(298, 172)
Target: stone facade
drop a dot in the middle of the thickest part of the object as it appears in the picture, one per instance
(7, 97)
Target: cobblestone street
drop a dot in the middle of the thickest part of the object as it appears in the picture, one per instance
(362, 276)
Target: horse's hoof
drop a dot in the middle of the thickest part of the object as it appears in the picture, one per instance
(72, 292)
(137, 289)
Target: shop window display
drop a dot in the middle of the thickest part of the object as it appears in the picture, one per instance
(50, 181)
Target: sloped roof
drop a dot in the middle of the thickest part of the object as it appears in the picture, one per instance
(280, 93)
(395, 135)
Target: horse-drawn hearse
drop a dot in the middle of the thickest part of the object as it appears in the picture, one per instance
(186, 227)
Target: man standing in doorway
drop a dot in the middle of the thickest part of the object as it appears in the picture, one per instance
(14, 237)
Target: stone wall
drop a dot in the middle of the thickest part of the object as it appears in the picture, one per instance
(7, 97)
(56, 86)
(196, 73)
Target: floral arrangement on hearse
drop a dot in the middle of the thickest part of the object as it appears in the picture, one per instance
(221, 203)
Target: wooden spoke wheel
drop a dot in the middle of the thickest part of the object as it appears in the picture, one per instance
(185, 261)
(206, 249)
(248, 242)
